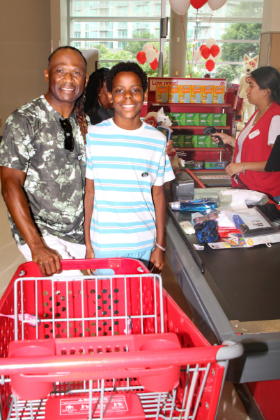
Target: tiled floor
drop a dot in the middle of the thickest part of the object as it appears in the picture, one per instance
(230, 406)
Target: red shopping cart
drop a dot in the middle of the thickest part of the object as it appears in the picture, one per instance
(104, 347)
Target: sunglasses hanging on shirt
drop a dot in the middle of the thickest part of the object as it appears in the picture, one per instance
(68, 134)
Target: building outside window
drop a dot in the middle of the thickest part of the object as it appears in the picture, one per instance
(236, 27)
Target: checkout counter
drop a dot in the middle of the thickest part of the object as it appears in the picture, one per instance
(234, 294)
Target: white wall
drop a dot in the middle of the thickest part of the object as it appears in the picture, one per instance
(25, 44)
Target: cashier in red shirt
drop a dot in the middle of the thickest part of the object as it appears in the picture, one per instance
(253, 146)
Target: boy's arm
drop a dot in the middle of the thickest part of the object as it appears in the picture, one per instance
(88, 209)
(157, 256)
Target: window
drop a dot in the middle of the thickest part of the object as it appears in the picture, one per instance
(123, 11)
(122, 34)
(236, 27)
(121, 45)
(107, 44)
(122, 25)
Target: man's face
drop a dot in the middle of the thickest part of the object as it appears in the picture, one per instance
(66, 76)
(128, 96)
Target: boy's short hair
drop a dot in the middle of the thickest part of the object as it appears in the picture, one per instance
(126, 67)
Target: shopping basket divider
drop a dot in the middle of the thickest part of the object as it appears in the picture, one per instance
(38, 366)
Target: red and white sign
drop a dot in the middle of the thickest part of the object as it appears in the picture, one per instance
(115, 407)
(77, 406)
(169, 81)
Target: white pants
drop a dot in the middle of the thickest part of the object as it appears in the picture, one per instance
(67, 251)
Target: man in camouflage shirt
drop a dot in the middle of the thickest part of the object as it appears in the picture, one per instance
(42, 180)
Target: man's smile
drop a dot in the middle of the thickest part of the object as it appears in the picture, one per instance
(67, 89)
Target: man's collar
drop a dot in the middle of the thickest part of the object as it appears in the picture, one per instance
(53, 111)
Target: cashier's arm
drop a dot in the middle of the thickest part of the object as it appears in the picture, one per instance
(157, 256)
(236, 168)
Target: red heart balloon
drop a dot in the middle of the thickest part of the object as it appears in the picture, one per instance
(205, 52)
(214, 50)
(202, 46)
(154, 64)
(141, 57)
(197, 4)
(210, 65)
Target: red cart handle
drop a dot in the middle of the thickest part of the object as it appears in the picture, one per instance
(118, 265)
(124, 362)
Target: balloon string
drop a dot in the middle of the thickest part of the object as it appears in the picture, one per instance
(195, 32)
(185, 38)
(208, 27)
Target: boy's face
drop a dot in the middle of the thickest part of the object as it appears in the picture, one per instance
(128, 96)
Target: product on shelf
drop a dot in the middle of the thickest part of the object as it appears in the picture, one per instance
(162, 94)
(213, 144)
(207, 94)
(218, 94)
(206, 119)
(177, 118)
(215, 165)
(196, 94)
(191, 118)
(185, 94)
(173, 94)
(202, 141)
(219, 120)
(194, 164)
(178, 140)
(189, 138)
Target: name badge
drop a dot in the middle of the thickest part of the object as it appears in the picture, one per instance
(254, 134)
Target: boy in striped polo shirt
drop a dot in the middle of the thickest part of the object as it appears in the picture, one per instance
(126, 171)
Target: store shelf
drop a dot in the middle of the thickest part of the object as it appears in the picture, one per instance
(225, 105)
(195, 153)
(200, 127)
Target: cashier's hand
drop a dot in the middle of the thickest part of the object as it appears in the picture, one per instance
(169, 149)
(90, 254)
(226, 139)
(157, 261)
(234, 168)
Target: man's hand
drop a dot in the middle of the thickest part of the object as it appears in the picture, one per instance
(90, 254)
(47, 259)
(157, 259)
(234, 168)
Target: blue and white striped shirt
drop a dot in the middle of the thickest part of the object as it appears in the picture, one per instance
(124, 165)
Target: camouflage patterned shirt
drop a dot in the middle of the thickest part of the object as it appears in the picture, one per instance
(33, 142)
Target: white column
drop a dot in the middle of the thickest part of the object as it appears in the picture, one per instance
(270, 37)
(177, 45)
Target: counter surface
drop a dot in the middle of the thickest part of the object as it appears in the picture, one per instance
(234, 294)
